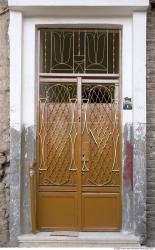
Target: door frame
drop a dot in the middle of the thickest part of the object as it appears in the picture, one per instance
(106, 78)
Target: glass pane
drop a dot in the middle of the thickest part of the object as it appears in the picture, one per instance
(96, 93)
(53, 93)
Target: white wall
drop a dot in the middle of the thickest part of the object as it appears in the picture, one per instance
(15, 33)
(79, 2)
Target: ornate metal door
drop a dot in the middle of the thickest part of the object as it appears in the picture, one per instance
(79, 178)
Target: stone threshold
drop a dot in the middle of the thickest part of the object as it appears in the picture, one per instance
(79, 239)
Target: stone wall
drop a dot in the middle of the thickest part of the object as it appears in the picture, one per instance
(151, 128)
(4, 125)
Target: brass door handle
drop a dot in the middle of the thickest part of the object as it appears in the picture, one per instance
(84, 167)
(32, 169)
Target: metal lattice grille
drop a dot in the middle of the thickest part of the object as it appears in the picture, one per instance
(100, 135)
(58, 134)
(80, 51)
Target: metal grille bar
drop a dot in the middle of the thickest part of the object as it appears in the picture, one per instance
(76, 75)
(74, 80)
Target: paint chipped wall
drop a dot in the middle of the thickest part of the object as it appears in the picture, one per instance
(139, 180)
(4, 126)
(127, 197)
(134, 179)
(28, 158)
(22, 155)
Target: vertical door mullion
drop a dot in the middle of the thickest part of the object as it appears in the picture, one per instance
(79, 86)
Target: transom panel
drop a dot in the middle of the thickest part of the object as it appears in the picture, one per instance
(80, 51)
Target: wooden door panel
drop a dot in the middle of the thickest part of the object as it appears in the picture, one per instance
(100, 212)
(57, 210)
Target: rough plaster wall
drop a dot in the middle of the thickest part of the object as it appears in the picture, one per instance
(127, 199)
(151, 128)
(4, 126)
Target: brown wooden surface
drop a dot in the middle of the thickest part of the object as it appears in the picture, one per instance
(87, 197)
(100, 212)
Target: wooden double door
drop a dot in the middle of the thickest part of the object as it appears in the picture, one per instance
(78, 155)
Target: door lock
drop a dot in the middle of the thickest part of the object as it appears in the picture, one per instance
(85, 162)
